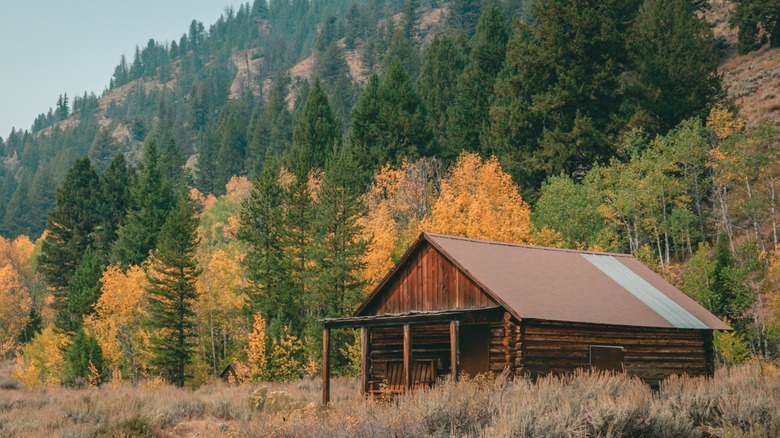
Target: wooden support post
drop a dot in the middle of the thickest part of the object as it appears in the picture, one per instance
(454, 349)
(325, 366)
(364, 371)
(407, 357)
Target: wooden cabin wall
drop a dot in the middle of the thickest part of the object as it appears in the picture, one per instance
(650, 353)
(428, 281)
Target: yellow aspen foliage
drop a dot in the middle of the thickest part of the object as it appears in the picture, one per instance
(724, 123)
(116, 323)
(42, 361)
(479, 200)
(286, 178)
(398, 201)
(220, 302)
(285, 359)
(238, 188)
(15, 305)
(256, 368)
(551, 238)
(17, 254)
(198, 198)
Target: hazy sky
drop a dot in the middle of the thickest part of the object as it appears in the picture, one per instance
(50, 47)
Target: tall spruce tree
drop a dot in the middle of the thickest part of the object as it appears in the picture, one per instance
(115, 185)
(443, 60)
(102, 149)
(558, 98)
(152, 198)
(313, 134)
(70, 227)
(266, 262)
(83, 293)
(84, 361)
(758, 22)
(388, 122)
(172, 274)
(675, 60)
(338, 246)
(468, 116)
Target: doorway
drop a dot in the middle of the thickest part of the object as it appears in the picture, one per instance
(474, 349)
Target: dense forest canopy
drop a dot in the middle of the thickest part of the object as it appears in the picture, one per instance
(230, 188)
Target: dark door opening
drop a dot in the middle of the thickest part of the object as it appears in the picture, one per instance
(474, 349)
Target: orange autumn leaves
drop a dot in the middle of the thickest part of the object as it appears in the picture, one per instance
(475, 199)
(15, 297)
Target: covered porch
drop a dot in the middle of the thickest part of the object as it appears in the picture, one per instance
(405, 351)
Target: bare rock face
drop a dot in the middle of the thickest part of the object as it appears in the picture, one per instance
(247, 81)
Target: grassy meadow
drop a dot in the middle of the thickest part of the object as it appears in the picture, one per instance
(741, 401)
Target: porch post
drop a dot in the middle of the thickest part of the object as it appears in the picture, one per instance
(325, 366)
(407, 356)
(454, 349)
(364, 371)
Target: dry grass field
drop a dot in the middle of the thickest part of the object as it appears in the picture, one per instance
(743, 401)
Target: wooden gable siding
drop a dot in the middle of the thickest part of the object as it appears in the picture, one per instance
(428, 281)
(651, 354)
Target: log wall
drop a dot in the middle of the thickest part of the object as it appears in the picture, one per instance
(652, 354)
(429, 343)
(428, 281)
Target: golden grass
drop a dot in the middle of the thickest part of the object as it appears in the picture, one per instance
(743, 401)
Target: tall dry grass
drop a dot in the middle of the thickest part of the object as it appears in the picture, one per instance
(742, 401)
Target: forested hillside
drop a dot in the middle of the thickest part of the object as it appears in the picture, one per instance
(230, 188)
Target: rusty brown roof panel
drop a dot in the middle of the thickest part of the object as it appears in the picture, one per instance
(562, 285)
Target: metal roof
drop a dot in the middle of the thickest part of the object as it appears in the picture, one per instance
(567, 285)
(645, 291)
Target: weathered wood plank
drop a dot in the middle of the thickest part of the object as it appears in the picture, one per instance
(364, 358)
(454, 350)
(407, 356)
(326, 366)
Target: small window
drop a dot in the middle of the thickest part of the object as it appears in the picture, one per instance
(606, 358)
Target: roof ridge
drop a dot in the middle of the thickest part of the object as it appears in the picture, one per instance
(519, 245)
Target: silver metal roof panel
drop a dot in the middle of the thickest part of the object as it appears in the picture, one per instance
(645, 292)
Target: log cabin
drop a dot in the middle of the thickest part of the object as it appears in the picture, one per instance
(453, 306)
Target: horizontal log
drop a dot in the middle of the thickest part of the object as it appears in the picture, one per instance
(613, 333)
(592, 340)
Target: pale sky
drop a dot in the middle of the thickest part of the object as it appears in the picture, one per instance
(51, 47)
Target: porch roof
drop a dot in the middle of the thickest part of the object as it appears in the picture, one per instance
(415, 317)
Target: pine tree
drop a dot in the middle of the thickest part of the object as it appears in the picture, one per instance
(297, 240)
(464, 16)
(84, 361)
(313, 135)
(172, 165)
(443, 61)
(468, 116)
(70, 227)
(115, 185)
(338, 246)
(152, 198)
(758, 21)
(558, 100)
(172, 274)
(388, 122)
(102, 149)
(83, 293)
(268, 268)
(675, 61)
